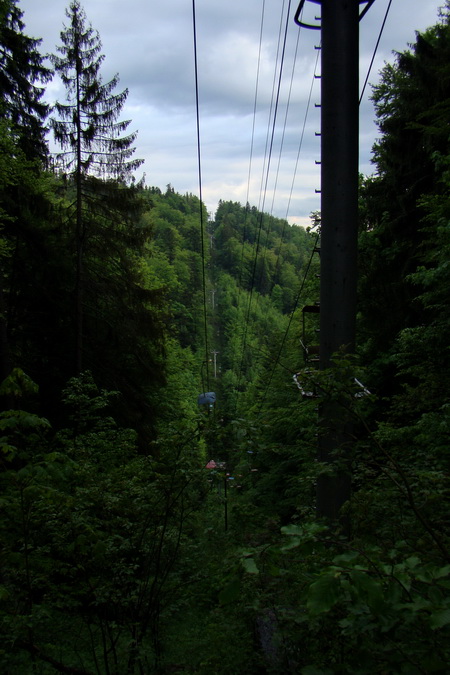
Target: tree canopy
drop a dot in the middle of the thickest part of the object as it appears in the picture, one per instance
(142, 532)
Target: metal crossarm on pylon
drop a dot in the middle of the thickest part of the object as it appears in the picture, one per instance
(318, 26)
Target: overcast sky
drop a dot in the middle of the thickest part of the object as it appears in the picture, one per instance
(149, 43)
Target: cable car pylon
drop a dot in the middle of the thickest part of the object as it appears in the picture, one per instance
(339, 25)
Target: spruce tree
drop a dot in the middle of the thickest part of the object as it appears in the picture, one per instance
(89, 131)
(21, 75)
(22, 150)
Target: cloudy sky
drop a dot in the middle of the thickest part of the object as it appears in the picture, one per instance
(150, 44)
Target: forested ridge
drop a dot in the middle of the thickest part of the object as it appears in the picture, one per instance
(142, 532)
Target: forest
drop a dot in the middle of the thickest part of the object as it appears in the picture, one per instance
(143, 531)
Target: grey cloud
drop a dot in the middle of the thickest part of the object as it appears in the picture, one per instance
(150, 44)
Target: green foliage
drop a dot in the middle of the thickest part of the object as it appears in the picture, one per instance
(20, 430)
(18, 384)
(410, 104)
(388, 611)
(260, 251)
(120, 552)
(92, 535)
(23, 74)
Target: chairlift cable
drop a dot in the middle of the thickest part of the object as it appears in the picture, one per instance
(279, 161)
(300, 146)
(309, 263)
(291, 82)
(257, 246)
(375, 50)
(270, 122)
(241, 266)
(303, 133)
(202, 234)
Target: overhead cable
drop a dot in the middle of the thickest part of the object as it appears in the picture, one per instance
(264, 196)
(375, 50)
(202, 235)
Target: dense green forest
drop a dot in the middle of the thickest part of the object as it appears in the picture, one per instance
(120, 303)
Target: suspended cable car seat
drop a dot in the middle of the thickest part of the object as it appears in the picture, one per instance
(207, 398)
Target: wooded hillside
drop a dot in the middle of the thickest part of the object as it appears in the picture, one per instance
(143, 532)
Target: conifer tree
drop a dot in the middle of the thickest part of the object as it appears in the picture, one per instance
(88, 128)
(21, 74)
(22, 149)
(89, 132)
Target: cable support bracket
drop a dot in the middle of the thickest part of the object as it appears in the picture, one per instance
(312, 26)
